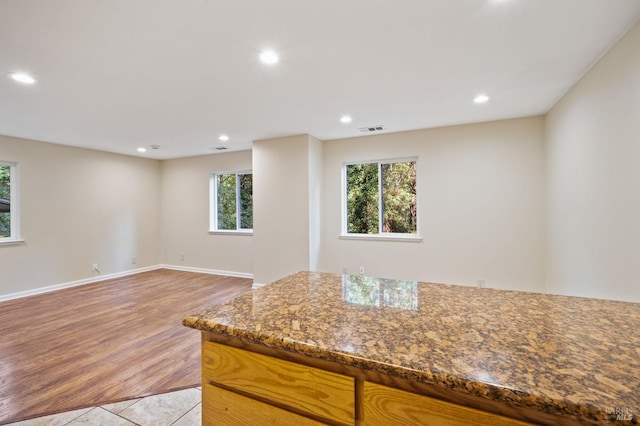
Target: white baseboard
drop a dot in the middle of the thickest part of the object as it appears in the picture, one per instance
(256, 286)
(208, 271)
(35, 291)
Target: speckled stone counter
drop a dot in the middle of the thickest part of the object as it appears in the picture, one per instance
(573, 357)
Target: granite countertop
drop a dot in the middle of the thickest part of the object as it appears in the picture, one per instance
(563, 355)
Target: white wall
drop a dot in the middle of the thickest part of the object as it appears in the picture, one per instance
(480, 206)
(185, 216)
(593, 157)
(282, 206)
(79, 207)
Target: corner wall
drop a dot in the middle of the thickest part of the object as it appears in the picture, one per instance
(79, 207)
(285, 206)
(186, 241)
(593, 167)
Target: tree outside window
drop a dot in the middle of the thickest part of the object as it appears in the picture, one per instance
(9, 223)
(5, 201)
(381, 197)
(232, 201)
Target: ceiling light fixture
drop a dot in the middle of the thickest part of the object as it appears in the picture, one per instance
(21, 77)
(269, 57)
(223, 138)
(346, 119)
(481, 98)
(141, 149)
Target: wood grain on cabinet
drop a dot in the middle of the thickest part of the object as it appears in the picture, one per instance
(383, 405)
(224, 408)
(300, 388)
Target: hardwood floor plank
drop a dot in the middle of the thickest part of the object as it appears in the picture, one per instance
(104, 342)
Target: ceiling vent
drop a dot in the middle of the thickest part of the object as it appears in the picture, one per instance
(372, 129)
(221, 148)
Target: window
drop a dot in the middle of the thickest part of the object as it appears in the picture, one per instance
(380, 198)
(9, 218)
(232, 202)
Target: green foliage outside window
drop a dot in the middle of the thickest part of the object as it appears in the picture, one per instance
(362, 198)
(399, 197)
(5, 194)
(381, 198)
(234, 199)
(226, 186)
(246, 201)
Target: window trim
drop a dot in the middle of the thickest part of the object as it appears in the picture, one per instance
(14, 176)
(213, 204)
(380, 236)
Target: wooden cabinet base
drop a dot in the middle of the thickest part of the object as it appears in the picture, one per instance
(288, 386)
(244, 387)
(387, 406)
(223, 408)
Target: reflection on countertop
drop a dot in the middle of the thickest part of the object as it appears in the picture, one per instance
(363, 290)
(563, 355)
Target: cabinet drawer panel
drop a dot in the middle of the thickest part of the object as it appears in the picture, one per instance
(224, 408)
(388, 406)
(298, 387)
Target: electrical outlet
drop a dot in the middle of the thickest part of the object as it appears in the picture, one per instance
(95, 268)
(362, 270)
(134, 260)
(182, 257)
(344, 271)
(481, 283)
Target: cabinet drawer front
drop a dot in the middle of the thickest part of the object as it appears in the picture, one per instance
(388, 406)
(224, 408)
(293, 386)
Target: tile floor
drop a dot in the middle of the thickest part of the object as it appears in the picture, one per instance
(180, 408)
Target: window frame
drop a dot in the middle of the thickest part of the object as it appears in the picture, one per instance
(380, 236)
(213, 204)
(14, 179)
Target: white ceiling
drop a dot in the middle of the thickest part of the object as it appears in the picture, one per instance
(118, 74)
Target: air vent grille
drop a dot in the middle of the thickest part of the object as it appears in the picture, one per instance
(372, 129)
(221, 148)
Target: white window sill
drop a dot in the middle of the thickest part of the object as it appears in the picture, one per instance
(231, 232)
(410, 238)
(11, 241)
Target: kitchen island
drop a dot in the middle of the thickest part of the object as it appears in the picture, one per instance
(317, 348)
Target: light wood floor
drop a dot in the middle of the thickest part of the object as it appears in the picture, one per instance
(104, 342)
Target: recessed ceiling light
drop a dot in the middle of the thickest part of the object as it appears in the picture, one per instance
(269, 57)
(223, 138)
(141, 149)
(346, 119)
(21, 77)
(481, 98)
